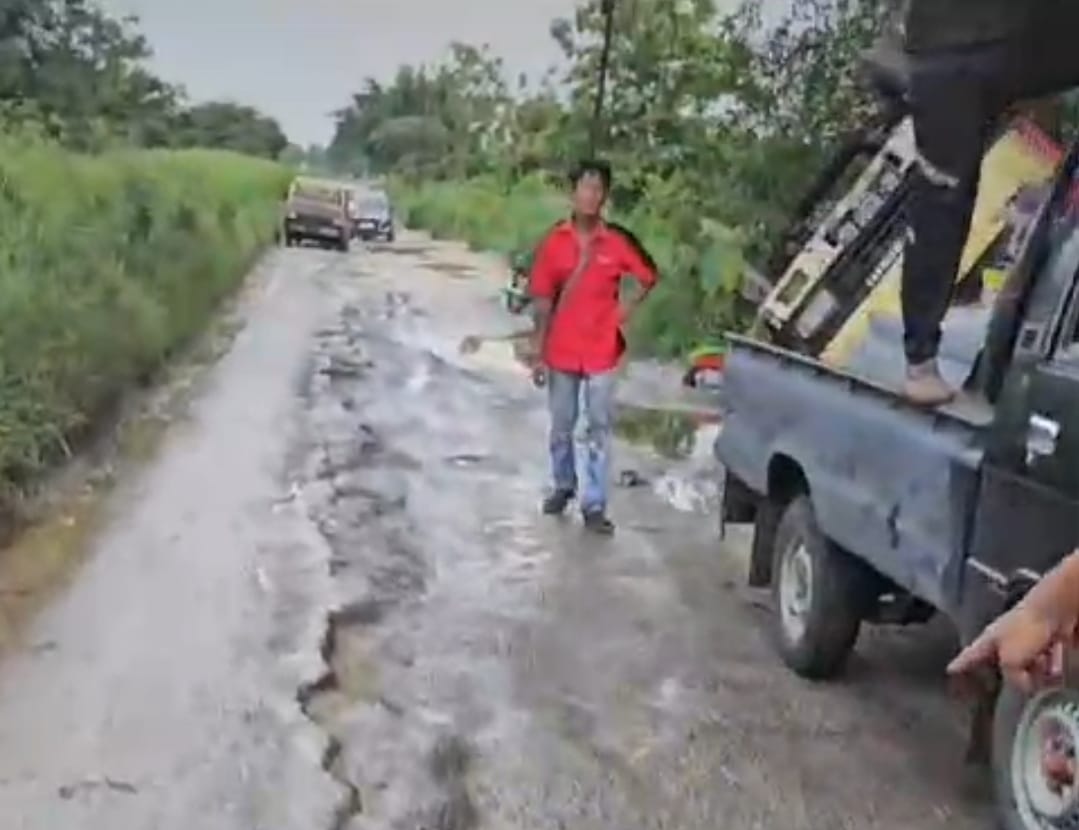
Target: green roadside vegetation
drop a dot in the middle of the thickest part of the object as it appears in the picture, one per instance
(125, 217)
(717, 119)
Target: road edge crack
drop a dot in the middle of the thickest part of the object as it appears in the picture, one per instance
(350, 804)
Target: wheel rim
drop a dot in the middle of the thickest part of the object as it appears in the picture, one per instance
(1043, 763)
(796, 591)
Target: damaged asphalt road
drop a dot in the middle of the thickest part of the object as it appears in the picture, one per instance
(330, 601)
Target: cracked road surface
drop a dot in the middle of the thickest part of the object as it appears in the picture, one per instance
(329, 601)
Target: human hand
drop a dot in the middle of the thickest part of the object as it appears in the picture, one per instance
(1026, 644)
(539, 376)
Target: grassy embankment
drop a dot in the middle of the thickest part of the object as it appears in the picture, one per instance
(700, 261)
(108, 264)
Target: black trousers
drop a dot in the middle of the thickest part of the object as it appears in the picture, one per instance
(957, 99)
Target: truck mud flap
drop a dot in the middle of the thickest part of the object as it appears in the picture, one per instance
(738, 504)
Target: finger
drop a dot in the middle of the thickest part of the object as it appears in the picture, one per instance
(983, 651)
(1056, 661)
(1020, 678)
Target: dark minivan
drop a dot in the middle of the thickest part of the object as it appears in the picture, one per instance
(373, 217)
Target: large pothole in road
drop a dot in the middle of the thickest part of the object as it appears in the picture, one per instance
(401, 763)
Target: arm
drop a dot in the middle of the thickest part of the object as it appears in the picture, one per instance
(636, 263)
(541, 316)
(542, 284)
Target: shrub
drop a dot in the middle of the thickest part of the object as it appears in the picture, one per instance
(107, 264)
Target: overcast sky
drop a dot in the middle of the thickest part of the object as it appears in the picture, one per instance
(299, 60)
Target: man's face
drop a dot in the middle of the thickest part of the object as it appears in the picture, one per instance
(589, 196)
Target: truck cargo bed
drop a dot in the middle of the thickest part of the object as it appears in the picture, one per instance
(892, 481)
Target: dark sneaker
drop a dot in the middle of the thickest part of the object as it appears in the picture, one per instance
(598, 523)
(556, 503)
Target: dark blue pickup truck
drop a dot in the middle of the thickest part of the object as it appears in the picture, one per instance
(866, 509)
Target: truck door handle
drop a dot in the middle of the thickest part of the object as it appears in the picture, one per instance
(1042, 435)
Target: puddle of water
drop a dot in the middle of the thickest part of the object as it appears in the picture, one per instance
(673, 435)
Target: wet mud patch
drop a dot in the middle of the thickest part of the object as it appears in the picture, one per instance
(40, 560)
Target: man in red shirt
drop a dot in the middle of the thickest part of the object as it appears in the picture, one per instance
(578, 342)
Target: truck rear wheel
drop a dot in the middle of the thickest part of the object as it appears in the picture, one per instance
(1035, 749)
(818, 592)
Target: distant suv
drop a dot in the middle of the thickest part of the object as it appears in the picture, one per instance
(373, 217)
(317, 210)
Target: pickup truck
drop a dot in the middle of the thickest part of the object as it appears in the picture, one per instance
(866, 509)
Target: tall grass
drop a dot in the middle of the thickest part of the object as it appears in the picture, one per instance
(700, 261)
(481, 211)
(107, 264)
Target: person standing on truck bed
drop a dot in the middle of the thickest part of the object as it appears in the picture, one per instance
(577, 341)
(969, 60)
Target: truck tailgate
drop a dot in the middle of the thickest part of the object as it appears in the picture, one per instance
(893, 484)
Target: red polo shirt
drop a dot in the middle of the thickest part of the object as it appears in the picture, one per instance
(585, 335)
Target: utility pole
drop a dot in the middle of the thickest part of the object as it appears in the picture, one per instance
(607, 7)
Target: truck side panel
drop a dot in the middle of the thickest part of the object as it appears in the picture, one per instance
(884, 486)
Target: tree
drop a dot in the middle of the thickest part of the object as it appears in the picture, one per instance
(451, 117)
(82, 77)
(228, 126)
(714, 123)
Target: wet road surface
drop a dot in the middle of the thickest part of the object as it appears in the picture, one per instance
(330, 602)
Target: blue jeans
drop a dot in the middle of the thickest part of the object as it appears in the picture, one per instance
(564, 399)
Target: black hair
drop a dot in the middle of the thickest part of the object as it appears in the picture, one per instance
(592, 167)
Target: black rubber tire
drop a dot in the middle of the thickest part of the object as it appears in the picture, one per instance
(1010, 711)
(837, 596)
(391, 237)
(344, 244)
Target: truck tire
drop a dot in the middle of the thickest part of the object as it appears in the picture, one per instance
(818, 593)
(344, 244)
(1022, 725)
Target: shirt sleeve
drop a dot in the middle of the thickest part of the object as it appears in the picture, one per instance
(542, 279)
(636, 263)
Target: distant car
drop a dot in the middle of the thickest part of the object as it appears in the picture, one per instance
(317, 211)
(373, 217)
